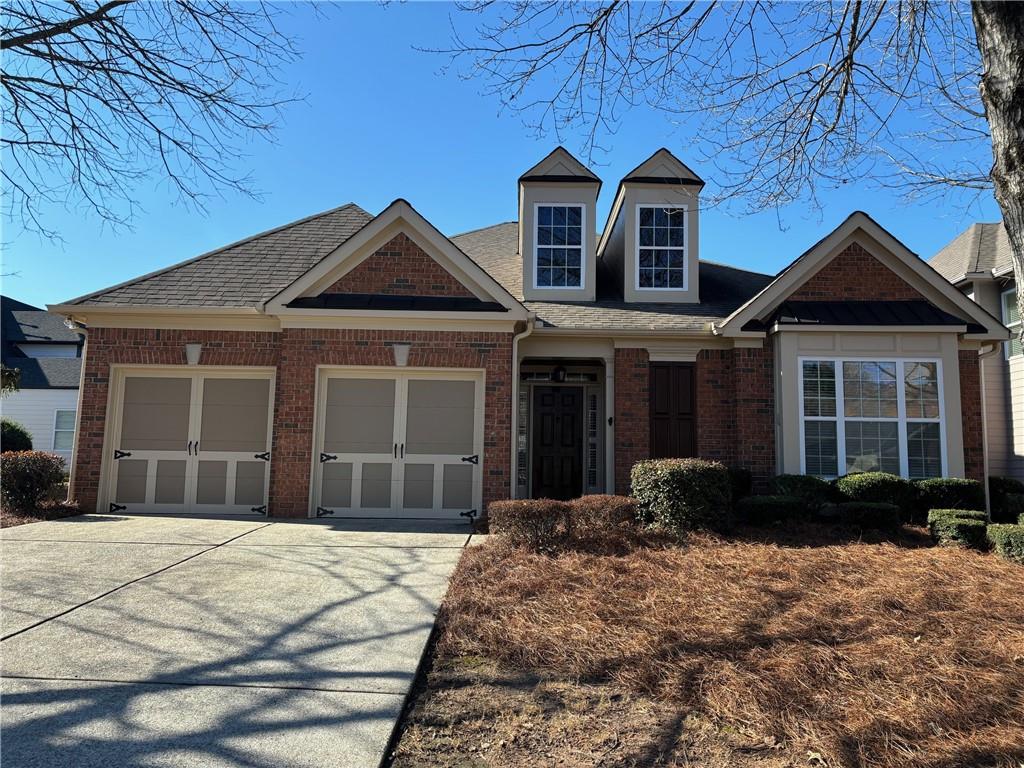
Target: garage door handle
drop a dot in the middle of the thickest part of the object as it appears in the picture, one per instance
(401, 450)
(189, 447)
(396, 450)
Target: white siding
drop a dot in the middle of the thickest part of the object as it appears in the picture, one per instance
(36, 410)
(1015, 446)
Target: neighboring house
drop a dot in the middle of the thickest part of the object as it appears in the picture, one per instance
(48, 356)
(352, 364)
(978, 262)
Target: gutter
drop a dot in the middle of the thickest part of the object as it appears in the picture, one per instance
(82, 328)
(531, 320)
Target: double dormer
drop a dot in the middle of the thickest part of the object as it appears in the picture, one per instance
(648, 251)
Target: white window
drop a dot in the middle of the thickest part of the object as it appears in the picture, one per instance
(1011, 319)
(661, 247)
(64, 430)
(868, 415)
(559, 262)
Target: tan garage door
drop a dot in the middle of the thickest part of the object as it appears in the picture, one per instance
(399, 444)
(192, 443)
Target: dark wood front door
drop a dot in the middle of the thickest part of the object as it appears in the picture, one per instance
(557, 442)
(673, 410)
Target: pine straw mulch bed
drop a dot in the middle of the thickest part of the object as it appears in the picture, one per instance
(48, 511)
(726, 653)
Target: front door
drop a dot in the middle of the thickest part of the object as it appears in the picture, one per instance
(557, 442)
(673, 400)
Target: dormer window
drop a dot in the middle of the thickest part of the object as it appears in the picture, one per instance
(661, 248)
(560, 262)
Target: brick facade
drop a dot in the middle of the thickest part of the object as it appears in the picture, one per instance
(295, 353)
(632, 413)
(400, 268)
(970, 413)
(753, 371)
(855, 275)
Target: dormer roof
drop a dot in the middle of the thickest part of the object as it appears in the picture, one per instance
(560, 166)
(663, 168)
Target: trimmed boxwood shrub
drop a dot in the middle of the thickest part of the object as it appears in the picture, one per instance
(954, 527)
(601, 513)
(27, 478)
(14, 437)
(950, 493)
(742, 482)
(868, 514)
(879, 487)
(1013, 507)
(758, 510)
(681, 494)
(540, 525)
(813, 491)
(1007, 540)
(963, 514)
(999, 491)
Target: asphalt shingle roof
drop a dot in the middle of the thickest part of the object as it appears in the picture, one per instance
(982, 247)
(22, 323)
(242, 274)
(722, 290)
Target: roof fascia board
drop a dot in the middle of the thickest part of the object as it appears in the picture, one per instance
(397, 322)
(809, 328)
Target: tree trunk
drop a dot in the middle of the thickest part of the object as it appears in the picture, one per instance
(1000, 31)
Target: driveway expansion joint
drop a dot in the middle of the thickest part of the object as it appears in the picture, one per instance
(204, 684)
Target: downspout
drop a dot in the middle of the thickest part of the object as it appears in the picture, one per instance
(982, 357)
(73, 324)
(530, 322)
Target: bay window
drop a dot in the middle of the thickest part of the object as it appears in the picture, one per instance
(871, 415)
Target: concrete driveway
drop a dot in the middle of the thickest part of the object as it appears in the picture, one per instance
(155, 641)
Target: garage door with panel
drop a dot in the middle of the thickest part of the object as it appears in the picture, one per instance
(399, 445)
(192, 443)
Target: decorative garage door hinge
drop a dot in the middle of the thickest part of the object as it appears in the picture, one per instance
(469, 513)
(260, 510)
(121, 454)
(323, 512)
(117, 507)
(265, 455)
(474, 459)
(327, 457)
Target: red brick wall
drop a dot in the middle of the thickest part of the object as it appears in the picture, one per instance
(632, 413)
(133, 346)
(716, 405)
(296, 353)
(855, 275)
(970, 412)
(400, 268)
(755, 412)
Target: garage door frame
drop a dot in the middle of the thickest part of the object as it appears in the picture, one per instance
(325, 372)
(112, 428)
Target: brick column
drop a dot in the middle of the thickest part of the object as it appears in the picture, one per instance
(632, 413)
(970, 413)
(755, 412)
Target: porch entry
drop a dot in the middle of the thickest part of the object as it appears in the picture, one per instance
(673, 410)
(398, 444)
(557, 442)
(190, 443)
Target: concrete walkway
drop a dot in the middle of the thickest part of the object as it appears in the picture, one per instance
(155, 641)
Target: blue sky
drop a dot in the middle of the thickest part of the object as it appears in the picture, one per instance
(381, 121)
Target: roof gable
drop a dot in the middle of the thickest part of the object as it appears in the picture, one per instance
(663, 167)
(560, 165)
(810, 277)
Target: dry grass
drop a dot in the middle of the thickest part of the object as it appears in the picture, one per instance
(862, 654)
(49, 511)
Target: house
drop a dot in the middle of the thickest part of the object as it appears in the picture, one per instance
(48, 357)
(352, 364)
(978, 262)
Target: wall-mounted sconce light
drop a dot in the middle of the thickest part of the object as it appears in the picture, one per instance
(401, 354)
(558, 374)
(192, 353)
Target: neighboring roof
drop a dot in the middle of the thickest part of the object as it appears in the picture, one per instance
(981, 248)
(21, 323)
(243, 274)
(722, 290)
(898, 313)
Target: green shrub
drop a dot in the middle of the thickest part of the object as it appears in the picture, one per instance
(742, 482)
(1007, 540)
(14, 437)
(999, 489)
(681, 494)
(601, 513)
(962, 514)
(759, 510)
(880, 487)
(540, 525)
(950, 493)
(1013, 507)
(27, 478)
(813, 491)
(957, 529)
(869, 514)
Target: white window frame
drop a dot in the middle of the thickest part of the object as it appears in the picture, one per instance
(1013, 327)
(901, 409)
(537, 246)
(54, 431)
(685, 247)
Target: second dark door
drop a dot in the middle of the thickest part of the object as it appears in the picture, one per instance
(673, 411)
(557, 442)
